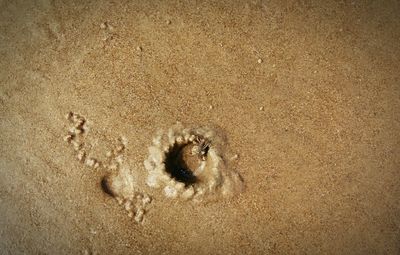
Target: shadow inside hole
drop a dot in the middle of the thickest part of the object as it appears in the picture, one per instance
(176, 166)
(106, 187)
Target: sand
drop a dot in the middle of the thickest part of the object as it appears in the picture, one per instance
(306, 94)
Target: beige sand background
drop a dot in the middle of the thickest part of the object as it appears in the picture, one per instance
(320, 161)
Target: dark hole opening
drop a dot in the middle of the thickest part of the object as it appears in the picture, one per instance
(176, 166)
(105, 187)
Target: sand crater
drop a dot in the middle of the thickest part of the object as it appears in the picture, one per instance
(188, 163)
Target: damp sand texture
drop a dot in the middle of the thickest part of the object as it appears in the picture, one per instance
(305, 96)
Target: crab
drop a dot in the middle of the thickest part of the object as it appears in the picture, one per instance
(201, 147)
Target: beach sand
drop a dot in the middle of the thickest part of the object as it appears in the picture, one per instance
(305, 93)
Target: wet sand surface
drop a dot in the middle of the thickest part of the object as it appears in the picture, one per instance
(306, 93)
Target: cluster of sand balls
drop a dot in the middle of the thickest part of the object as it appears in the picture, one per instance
(119, 181)
(75, 137)
(135, 203)
(187, 163)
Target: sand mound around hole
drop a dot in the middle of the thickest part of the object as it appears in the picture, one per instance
(188, 163)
